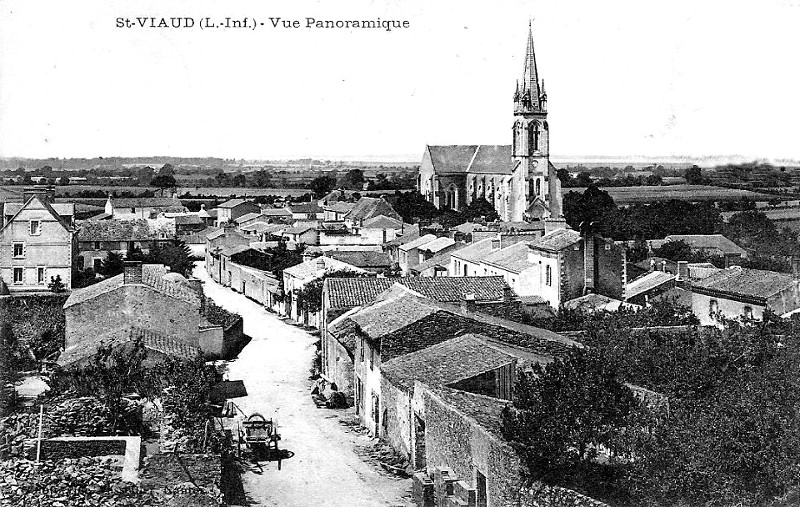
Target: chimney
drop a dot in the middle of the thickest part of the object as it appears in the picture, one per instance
(554, 224)
(683, 271)
(664, 266)
(320, 264)
(468, 303)
(44, 192)
(652, 265)
(496, 243)
(133, 272)
(508, 294)
(732, 260)
(588, 262)
(796, 267)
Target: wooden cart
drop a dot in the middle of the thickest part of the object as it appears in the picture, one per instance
(260, 435)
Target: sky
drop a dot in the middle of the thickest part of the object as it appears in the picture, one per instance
(624, 78)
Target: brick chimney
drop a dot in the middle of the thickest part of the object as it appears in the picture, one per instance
(683, 271)
(496, 243)
(468, 303)
(44, 192)
(133, 272)
(588, 262)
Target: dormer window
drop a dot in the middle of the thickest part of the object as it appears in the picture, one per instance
(36, 227)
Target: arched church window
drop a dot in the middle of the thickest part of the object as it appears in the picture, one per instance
(538, 186)
(533, 137)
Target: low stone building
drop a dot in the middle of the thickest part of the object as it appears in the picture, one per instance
(96, 238)
(230, 210)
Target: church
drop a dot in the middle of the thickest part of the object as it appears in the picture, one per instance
(518, 179)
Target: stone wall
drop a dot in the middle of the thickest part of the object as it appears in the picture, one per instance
(397, 409)
(36, 321)
(609, 269)
(61, 449)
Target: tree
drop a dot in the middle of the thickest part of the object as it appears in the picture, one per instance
(175, 255)
(166, 170)
(693, 175)
(222, 179)
(674, 250)
(310, 296)
(584, 179)
(239, 180)
(56, 284)
(354, 179)
(594, 205)
(413, 206)
(112, 265)
(480, 208)
(322, 185)
(163, 181)
(262, 179)
(565, 177)
(564, 413)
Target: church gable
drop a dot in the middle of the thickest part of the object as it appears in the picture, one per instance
(470, 158)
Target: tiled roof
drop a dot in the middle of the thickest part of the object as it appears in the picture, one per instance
(445, 363)
(556, 240)
(475, 252)
(214, 234)
(188, 220)
(247, 216)
(7, 211)
(513, 258)
(532, 300)
(382, 222)
(310, 268)
(276, 212)
(263, 227)
(152, 340)
(352, 292)
(418, 242)
(299, 229)
(593, 302)
(369, 207)
(484, 410)
(708, 241)
(441, 260)
(147, 202)
(647, 282)
(199, 237)
(227, 240)
(395, 309)
(362, 259)
(410, 233)
(340, 206)
(754, 283)
(116, 230)
(305, 207)
(492, 159)
(61, 208)
(438, 244)
(232, 203)
(152, 276)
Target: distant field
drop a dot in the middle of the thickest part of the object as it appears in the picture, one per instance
(221, 192)
(773, 214)
(644, 194)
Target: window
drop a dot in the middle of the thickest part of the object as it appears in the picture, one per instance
(18, 276)
(748, 312)
(533, 137)
(36, 227)
(97, 264)
(80, 262)
(40, 278)
(97, 245)
(19, 249)
(362, 350)
(538, 186)
(548, 270)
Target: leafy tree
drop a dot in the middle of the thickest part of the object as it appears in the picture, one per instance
(565, 177)
(413, 206)
(322, 185)
(354, 179)
(480, 208)
(310, 296)
(222, 179)
(163, 181)
(565, 413)
(262, 179)
(240, 180)
(638, 252)
(56, 284)
(594, 205)
(175, 255)
(584, 179)
(674, 250)
(112, 265)
(166, 170)
(693, 175)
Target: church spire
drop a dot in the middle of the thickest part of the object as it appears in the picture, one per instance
(530, 77)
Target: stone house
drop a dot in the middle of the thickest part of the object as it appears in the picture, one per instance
(230, 210)
(380, 229)
(369, 207)
(276, 215)
(513, 265)
(401, 322)
(188, 224)
(98, 237)
(137, 299)
(220, 245)
(37, 243)
(468, 261)
(250, 218)
(376, 262)
(336, 211)
(306, 211)
(410, 233)
(570, 264)
(408, 253)
(296, 277)
(436, 247)
(305, 233)
(341, 295)
(739, 292)
(709, 244)
(142, 208)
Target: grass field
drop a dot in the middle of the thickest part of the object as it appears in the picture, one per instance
(645, 194)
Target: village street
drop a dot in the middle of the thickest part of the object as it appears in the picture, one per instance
(324, 470)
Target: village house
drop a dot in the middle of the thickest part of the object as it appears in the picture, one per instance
(220, 245)
(197, 242)
(296, 277)
(302, 232)
(715, 245)
(410, 233)
(340, 295)
(408, 253)
(140, 208)
(375, 262)
(135, 301)
(249, 218)
(262, 231)
(37, 244)
(336, 211)
(468, 261)
(276, 215)
(438, 246)
(737, 292)
(188, 224)
(400, 322)
(570, 265)
(369, 207)
(513, 265)
(230, 210)
(96, 238)
(305, 211)
(379, 229)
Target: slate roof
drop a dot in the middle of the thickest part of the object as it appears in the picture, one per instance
(556, 240)
(61, 208)
(382, 222)
(362, 258)
(17, 207)
(438, 244)
(352, 292)
(484, 410)
(513, 258)
(418, 242)
(116, 230)
(152, 276)
(475, 252)
(647, 282)
(232, 203)
(754, 283)
(369, 207)
(445, 363)
(484, 159)
(152, 340)
(310, 268)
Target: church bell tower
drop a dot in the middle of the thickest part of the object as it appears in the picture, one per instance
(541, 190)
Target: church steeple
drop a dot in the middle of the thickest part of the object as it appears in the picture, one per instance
(530, 97)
